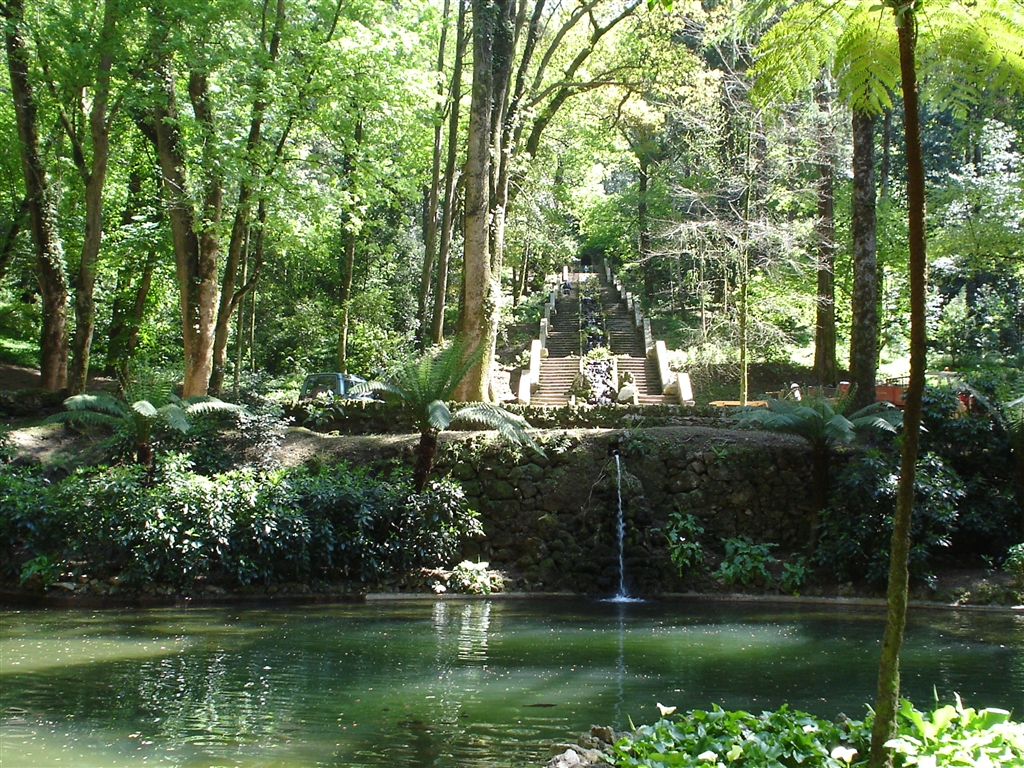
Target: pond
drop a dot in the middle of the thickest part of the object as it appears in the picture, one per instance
(449, 683)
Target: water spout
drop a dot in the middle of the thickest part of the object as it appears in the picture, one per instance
(622, 596)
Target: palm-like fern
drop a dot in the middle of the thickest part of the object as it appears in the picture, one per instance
(966, 46)
(144, 407)
(422, 386)
(824, 425)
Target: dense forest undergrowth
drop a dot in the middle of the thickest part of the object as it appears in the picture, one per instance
(257, 506)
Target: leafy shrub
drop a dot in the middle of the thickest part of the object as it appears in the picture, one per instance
(1014, 564)
(474, 579)
(948, 736)
(709, 739)
(242, 526)
(955, 735)
(794, 574)
(683, 533)
(973, 444)
(25, 524)
(745, 562)
(7, 448)
(857, 527)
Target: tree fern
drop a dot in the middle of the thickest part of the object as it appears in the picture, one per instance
(422, 385)
(973, 44)
(139, 418)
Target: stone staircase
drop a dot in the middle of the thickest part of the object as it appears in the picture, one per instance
(560, 367)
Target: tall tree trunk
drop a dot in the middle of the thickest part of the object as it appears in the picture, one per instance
(432, 197)
(347, 266)
(240, 318)
(229, 297)
(825, 366)
(450, 174)
(886, 152)
(94, 176)
(864, 302)
(481, 286)
(195, 253)
(887, 700)
(644, 239)
(53, 341)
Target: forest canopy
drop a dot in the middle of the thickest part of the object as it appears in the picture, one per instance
(236, 187)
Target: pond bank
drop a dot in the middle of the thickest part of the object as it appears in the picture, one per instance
(17, 599)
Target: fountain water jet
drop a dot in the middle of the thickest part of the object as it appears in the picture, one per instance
(622, 596)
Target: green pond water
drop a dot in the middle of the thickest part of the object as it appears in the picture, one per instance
(483, 683)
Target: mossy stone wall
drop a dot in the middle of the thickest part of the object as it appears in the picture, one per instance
(552, 521)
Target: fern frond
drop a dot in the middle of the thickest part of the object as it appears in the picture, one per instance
(511, 426)
(438, 415)
(145, 409)
(792, 54)
(174, 417)
(84, 418)
(101, 403)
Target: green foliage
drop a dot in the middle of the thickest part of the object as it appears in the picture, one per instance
(1014, 564)
(7, 447)
(958, 736)
(24, 515)
(716, 738)
(820, 422)
(746, 562)
(474, 579)
(243, 526)
(683, 533)
(147, 406)
(857, 526)
(794, 574)
(42, 569)
(951, 735)
(635, 442)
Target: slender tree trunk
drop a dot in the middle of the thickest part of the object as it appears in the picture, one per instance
(53, 342)
(348, 262)
(887, 701)
(450, 174)
(95, 178)
(348, 266)
(432, 198)
(481, 287)
(229, 297)
(825, 366)
(886, 152)
(644, 238)
(864, 303)
(240, 319)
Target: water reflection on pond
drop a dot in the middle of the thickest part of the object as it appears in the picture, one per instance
(448, 683)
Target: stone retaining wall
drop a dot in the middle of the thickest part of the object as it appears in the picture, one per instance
(553, 520)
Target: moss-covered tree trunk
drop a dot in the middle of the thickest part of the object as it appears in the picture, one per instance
(864, 301)
(887, 701)
(50, 272)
